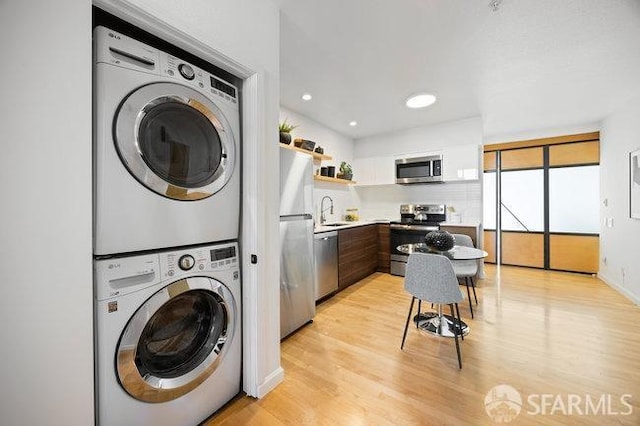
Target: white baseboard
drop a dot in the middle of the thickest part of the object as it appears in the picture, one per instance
(272, 380)
(620, 289)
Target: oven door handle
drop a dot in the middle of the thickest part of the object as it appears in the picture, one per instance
(413, 227)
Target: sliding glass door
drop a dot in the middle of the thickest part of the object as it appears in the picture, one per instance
(574, 206)
(541, 206)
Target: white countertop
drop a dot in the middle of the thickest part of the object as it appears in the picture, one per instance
(336, 226)
(470, 224)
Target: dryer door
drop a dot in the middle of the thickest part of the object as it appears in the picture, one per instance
(175, 141)
(176, 339)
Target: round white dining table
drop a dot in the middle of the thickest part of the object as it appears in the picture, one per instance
(456, 253)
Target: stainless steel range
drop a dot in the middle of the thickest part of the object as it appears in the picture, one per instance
(416, 221)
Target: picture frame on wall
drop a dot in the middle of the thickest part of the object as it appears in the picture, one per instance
(634, 184)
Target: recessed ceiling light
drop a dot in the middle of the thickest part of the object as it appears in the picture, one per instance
(420, 100)
(353, 123)
(306, 97)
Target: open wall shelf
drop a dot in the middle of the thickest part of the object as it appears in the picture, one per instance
(319, 157)
(333, 180)
(315, 155)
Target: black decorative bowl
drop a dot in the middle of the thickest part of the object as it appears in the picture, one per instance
(439, 241)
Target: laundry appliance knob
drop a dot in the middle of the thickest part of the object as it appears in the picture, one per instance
(186, 71)
(186, 262)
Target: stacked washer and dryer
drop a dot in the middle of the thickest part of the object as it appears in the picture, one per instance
(166, 224)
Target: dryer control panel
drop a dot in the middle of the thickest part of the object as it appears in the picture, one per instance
(113, 48)
(174, 67)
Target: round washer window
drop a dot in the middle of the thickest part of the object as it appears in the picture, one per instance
(180, 144)
(181, 334)
(176, 339)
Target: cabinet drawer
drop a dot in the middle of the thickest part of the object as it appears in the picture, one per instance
(357, 254)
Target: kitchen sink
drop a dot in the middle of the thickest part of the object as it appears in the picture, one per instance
(336, 224)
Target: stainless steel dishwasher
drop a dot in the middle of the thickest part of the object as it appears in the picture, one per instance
(325, 249)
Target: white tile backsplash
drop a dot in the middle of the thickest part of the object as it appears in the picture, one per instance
(377, 202)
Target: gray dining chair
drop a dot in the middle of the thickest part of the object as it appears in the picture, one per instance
(466, 269)
(430, 277)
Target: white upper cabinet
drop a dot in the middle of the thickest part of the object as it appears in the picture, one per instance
(385, 170)
(374, 170)
(363, 171)
(460, 163)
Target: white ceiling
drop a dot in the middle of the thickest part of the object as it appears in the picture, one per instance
(531, 65)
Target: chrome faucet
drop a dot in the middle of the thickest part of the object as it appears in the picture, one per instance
(323, 219)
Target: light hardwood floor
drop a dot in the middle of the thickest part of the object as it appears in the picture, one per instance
(540, 332)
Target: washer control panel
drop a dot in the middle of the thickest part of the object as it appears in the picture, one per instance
(116, 277)
(199, 259)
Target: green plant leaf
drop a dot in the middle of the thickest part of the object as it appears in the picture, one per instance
(286, 127)
(345, 168)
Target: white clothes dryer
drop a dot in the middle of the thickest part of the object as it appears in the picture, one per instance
(166, 150)
(168, 335)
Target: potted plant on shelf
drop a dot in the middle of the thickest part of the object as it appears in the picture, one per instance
(285, 132)
(345, 171)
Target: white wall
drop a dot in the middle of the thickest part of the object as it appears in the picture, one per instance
(46, 309)
(336, 145)
(420, 139)
(379, 202)
(619, 136)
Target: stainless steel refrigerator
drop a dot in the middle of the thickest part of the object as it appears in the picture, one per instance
(297, 286)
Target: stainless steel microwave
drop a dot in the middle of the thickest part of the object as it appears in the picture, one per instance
(419, 170)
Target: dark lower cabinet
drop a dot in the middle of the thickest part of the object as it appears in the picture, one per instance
(384, 249)
(357, 254)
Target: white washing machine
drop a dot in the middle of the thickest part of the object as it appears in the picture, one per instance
(168, 336)
(166, 150)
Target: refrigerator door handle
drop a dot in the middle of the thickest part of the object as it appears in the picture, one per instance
(290, 217)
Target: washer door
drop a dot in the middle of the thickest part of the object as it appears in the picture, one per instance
(175, 141)
(176, 339)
